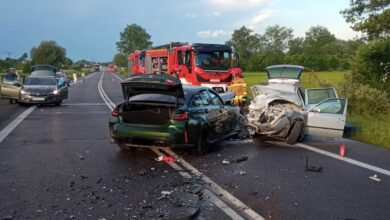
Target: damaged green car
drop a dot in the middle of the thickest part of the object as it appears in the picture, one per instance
(159, 111)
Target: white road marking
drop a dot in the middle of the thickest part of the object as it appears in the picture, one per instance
(11, 126)
(212, 198)
(345, 159)
(84, 104)
(218, 190)
(103, 95)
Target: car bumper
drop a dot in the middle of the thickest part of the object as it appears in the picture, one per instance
(46, 99)
(148, 136)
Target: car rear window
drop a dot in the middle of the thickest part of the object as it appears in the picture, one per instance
(43, 73)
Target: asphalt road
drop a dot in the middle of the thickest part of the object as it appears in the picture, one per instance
(59, 163)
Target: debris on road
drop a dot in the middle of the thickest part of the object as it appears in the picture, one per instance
(375, 178)
(81, 157)
(240, 159)
(237, 160)
(166, 159)
(312, 168)
(7, 217)
(242, 172)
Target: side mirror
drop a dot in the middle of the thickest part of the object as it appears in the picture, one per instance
(176, 68)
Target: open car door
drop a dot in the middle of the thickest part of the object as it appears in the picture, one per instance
(317, 95)
(328, 118)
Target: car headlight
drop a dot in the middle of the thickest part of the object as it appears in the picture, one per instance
(23, 92)
(56, 92)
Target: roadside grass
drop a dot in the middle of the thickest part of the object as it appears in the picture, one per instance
(370, 129)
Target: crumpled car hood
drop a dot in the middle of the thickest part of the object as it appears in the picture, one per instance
(272, 114)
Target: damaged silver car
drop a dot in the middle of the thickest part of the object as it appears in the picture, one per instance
(282, 110)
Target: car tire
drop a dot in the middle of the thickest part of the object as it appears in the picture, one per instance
(203, 145)
(242, 122)
(295, 133)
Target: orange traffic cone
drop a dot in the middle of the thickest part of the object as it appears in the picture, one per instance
(342, 150)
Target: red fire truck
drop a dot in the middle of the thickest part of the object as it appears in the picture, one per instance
(211, 65)
(111, 68)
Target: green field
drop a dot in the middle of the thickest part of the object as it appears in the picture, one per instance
(370, 129)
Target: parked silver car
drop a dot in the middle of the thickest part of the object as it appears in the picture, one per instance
(283, 110)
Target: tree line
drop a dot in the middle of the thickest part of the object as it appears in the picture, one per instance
(319, 49)
(47, 52)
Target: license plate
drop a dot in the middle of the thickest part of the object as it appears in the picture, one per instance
(38, 99)
(215, 80)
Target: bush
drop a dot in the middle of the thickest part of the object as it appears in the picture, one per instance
(372, 65)
(362, 98)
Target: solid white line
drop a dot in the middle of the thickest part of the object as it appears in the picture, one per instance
(11, 126)
(102, 93)
(216, 188)
(100, 89)
(345, 159)
(212, 198)
(83, 104)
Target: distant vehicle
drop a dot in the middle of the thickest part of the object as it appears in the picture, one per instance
(9, 88)
(111, 68)
(42, 90)
(97, 67)
(283, 110)
(158, 111)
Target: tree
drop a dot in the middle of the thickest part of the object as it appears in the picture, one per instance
(133, 37)
(277, 38)
(48, 52)
(246, 43)
(120, 60)
(318, 46)
(371, 17)
(372, 64)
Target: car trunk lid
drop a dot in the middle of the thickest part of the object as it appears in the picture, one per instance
(284, 73)
(150, 99)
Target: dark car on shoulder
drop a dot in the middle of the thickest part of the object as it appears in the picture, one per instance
(158, 111)
(42, 90)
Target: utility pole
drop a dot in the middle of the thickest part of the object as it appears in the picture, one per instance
(9, 53)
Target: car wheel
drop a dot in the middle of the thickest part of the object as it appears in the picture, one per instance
(295, 133)
(243, 132)
(203, 144)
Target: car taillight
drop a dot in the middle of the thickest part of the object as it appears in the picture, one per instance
(181, 116)
(169, 82)
(115, 112)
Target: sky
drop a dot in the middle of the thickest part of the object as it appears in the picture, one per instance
(88, 29)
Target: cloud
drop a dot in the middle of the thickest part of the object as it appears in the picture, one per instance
(260, 17)
(212, 34)
(215, 14)
(191, 15)
(241, 3)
